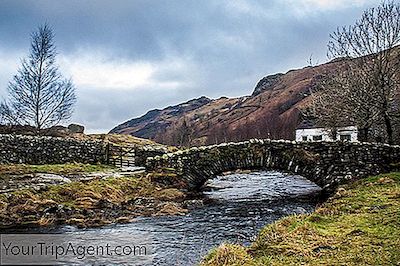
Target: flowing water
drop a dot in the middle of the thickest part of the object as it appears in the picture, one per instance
(238, 206)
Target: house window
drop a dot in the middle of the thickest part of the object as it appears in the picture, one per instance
(317, 138)
(345, 137)
(304, 138)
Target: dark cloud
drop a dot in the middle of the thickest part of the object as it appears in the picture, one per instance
(211, 48)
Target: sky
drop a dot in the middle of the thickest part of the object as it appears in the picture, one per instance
(127, 57)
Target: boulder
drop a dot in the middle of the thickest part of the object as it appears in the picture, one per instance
(75, 128)
(55, 131)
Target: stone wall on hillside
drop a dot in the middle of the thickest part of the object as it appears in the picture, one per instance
(49, 150)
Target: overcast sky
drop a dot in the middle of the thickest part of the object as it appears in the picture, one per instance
(127, 57)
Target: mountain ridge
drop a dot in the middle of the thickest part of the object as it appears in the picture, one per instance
(272, 110)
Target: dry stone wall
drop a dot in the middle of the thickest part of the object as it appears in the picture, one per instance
(327, 164)
(49, 150)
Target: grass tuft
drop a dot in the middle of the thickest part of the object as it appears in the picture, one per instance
(228, 254)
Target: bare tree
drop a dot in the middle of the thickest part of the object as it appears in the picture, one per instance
(365, 89)
(38, 95)
(184, 134)
(345, 98)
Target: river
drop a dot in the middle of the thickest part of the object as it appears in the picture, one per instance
(238, 206)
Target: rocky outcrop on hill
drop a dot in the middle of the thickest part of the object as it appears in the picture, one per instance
(267, 83)
(155, 121)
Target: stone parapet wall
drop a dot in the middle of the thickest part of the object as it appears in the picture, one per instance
(325, 163)
(142, 153)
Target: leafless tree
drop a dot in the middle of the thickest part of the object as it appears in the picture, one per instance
(365, 89)
(184, 134)
(38, 95)
(344, 99)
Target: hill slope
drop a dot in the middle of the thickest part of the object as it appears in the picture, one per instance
(271, 111)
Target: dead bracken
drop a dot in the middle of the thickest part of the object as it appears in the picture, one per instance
(90, 203)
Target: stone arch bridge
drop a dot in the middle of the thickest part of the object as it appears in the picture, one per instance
(327, 164)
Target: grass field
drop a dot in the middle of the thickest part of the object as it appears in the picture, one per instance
(68, 168)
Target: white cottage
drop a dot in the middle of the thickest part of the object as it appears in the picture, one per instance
(307, 131)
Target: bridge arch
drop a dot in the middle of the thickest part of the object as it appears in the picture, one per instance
(327, 164)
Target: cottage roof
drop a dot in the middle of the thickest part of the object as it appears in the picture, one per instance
(305, 124)
(308, 123)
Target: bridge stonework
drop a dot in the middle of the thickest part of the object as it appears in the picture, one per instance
(327, 164)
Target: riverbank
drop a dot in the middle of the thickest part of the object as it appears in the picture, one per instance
(84, 202)
(359, 225)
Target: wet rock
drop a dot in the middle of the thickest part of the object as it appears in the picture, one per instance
(171, 208)
(193, 204)
(123, 220)
(58, 209)
(50, 178)
(37, 187)
(133, 169)
(105, 204)
(140, 201)
(300, 210)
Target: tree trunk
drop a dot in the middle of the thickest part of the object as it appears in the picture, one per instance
(334, 134)
(363, 134)
(389, 129)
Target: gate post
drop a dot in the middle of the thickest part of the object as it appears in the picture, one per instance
(108, 153)
(120, 154)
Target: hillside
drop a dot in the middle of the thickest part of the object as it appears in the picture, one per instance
(271, 111)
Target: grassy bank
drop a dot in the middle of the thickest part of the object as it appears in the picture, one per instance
(90, 203)
(68, 168)
(359, 225)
